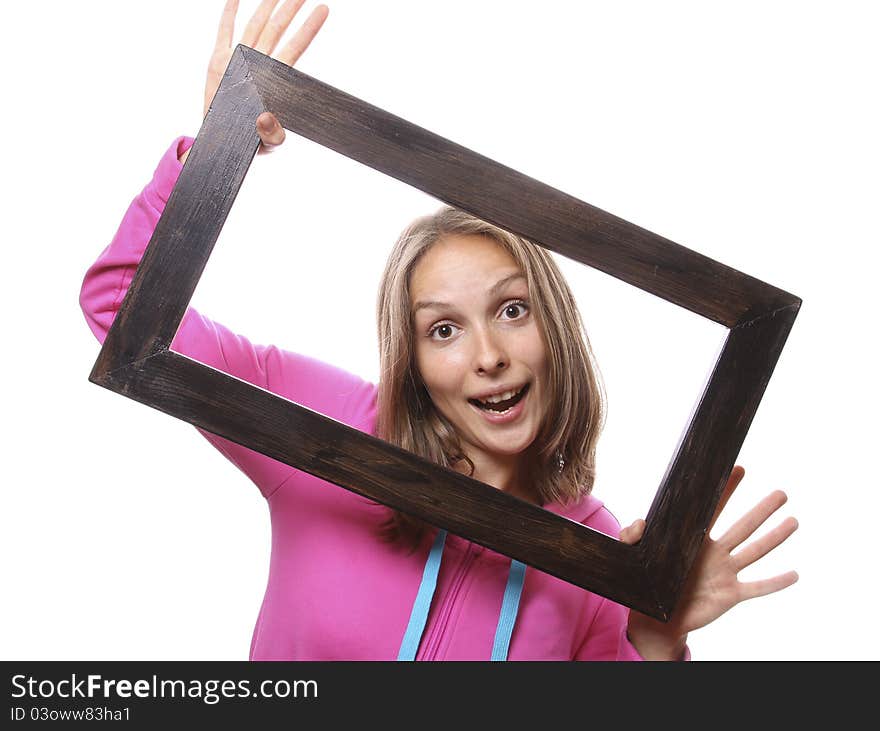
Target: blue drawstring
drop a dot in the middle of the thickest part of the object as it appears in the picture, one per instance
(509, 609)
(418, 618)
(419, 615)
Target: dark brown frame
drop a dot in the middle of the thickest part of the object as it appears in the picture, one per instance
(137, 362)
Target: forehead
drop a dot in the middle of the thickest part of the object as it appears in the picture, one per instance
(460, 263)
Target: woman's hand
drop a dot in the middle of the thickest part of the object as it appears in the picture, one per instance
(712, 586)
(262, 33)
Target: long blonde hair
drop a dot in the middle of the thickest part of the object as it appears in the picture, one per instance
(564, 452)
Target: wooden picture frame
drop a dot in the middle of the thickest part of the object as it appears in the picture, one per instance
(136, 360)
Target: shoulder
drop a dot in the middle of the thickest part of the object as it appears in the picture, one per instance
(589, 511)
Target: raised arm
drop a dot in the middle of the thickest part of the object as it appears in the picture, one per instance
(318, 386)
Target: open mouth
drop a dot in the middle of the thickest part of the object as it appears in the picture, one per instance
(502, 402)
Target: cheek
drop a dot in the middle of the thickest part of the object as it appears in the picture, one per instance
(533, 351)
(440, 370)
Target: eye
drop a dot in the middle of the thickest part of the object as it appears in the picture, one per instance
(442, 331)
(515, 310)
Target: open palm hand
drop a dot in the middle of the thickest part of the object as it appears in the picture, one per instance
(713, 586)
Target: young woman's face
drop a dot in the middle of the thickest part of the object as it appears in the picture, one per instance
(476, 341)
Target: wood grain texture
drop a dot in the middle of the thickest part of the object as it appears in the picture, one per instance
(314, 443)
(136, 361)
(507, 198)
(692, 486)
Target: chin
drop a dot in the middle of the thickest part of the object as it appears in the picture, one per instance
(510, 450)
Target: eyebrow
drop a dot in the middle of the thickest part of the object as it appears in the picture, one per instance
(491, 292)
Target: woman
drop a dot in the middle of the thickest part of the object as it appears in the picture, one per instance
(482, 355)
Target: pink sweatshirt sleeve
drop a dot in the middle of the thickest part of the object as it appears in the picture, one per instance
(320, 387)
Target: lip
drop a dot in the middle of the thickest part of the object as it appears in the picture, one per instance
(507, 417)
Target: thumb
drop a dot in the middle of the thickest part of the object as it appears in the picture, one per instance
(270, 130)
(633, 533)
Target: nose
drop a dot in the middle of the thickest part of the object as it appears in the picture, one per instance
(489, 353)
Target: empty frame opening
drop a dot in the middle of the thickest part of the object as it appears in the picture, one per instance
(298, 265)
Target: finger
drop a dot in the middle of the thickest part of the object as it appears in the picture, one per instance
(751, 521)
(276, 26)
(270, 130)
(761, 547)
(304, 36)
(752, 589)
(257, 22)
(633, 533)
(735, 477)
(225, 33)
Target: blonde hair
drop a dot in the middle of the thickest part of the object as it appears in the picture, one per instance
(563, 464)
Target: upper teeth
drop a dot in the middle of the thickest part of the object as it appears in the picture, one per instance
(501, 397)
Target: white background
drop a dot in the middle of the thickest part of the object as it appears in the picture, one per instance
(745, 131)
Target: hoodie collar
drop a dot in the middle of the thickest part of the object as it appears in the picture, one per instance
(579, 511)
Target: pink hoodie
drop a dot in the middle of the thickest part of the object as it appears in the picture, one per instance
(337, 591)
